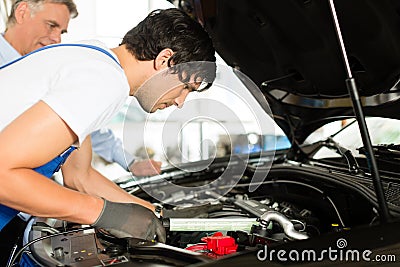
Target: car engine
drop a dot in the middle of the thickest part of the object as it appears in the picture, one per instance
(296, 202)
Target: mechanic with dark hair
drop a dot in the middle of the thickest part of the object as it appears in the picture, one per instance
(53, 98)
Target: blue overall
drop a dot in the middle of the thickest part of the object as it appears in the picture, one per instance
(7, 213)
(48, 169)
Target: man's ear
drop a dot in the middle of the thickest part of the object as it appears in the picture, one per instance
(22, 11)
(161, 61)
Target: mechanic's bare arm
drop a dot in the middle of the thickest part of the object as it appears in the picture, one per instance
(80, 175)
(31, 140)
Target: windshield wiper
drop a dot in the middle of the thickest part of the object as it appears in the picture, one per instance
(384, 151)
(346, 153)
(311, 149)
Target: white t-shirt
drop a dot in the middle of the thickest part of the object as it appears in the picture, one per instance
(85, 87)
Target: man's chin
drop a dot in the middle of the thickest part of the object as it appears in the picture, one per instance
(154, 109)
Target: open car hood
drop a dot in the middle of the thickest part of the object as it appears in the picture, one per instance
(290, 49)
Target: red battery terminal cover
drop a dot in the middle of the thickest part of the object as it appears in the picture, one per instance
(217, 244)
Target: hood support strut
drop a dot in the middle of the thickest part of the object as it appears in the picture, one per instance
(358, 111)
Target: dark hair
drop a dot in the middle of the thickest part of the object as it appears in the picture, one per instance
(174, 29)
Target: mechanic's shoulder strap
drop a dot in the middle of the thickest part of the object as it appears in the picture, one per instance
(57, 45)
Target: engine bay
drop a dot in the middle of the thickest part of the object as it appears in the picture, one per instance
(294, 203)
(230, 226)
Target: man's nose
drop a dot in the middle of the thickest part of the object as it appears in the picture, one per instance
(55, 37)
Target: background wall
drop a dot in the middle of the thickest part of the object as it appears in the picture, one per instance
(4, 10)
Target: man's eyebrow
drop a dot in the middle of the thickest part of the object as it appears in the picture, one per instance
(191, 87)
(53, 22)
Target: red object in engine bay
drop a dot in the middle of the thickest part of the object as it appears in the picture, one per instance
(216, 245)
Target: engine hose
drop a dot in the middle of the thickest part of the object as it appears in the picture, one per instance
(286, 224)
